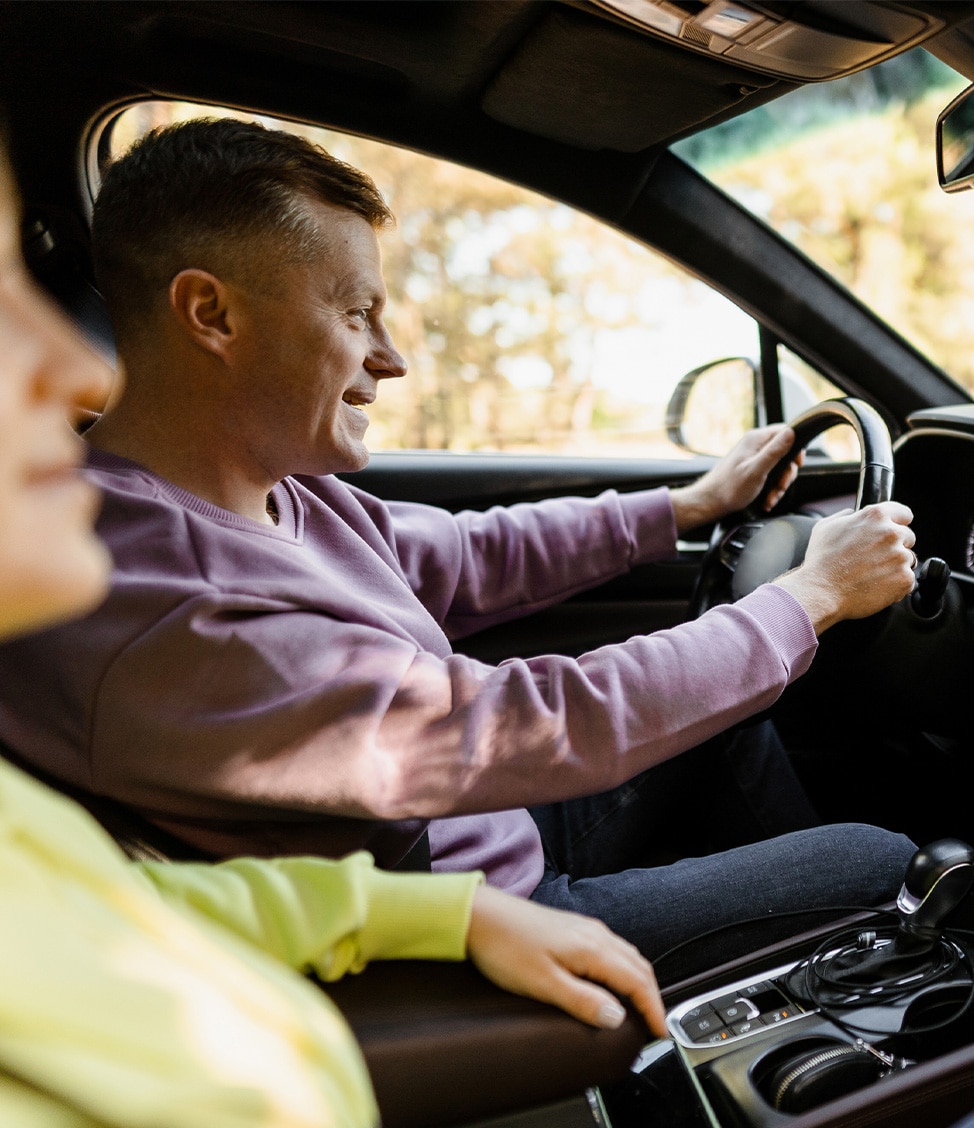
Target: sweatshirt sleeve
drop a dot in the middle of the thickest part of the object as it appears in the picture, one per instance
(365, 725)
(329, 917)
(121, 1010)
(239, 693)
(475, 569)
(24, 1106)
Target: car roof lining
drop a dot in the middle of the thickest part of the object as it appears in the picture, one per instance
(516, 63)
(516, 99)
(583, 81)
(554, 71)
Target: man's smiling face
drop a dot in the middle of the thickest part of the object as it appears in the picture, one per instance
(315, 347)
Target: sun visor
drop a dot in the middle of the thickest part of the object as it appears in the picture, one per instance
(589, 86)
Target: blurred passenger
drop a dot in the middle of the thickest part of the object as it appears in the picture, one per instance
(157, 995)
(273, 668)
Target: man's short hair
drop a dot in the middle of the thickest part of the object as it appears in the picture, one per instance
(214, 194)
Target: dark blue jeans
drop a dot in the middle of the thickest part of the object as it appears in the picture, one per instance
(720, 838)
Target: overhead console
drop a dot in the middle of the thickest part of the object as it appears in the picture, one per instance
(810, 42)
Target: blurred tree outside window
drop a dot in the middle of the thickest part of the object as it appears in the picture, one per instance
(846, 171)
(530, 327)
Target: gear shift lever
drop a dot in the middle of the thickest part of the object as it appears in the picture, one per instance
(937, 880)
(894, 967)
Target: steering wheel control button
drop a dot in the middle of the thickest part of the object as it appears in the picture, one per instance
(734, 544)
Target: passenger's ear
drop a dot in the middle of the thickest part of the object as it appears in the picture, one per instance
(200, 302)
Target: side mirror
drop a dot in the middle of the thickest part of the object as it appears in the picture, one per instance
(713, 405)
(955, 143)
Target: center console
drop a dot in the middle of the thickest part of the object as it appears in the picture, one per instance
(873, 1023)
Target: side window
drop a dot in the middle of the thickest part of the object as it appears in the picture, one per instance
(803, 386)
(714, 404)
(528, 327)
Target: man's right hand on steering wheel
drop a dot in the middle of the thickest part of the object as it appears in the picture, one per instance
(857, 562)
(847, 566)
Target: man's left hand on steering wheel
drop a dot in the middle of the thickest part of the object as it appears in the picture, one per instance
(738, 478)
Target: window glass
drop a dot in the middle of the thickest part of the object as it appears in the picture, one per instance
(528, 326)
(846, 171)
(802, 387)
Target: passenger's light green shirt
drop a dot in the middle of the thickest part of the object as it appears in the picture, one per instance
(118, 1008)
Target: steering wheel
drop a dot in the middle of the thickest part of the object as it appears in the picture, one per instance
(751, 547)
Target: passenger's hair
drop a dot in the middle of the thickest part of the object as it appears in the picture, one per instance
(216, 194)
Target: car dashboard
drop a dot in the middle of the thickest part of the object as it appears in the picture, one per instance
(919, 653)
(935, 478)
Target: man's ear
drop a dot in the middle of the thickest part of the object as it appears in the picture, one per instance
(201, 305)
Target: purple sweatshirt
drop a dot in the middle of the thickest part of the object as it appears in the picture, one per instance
(293, 689)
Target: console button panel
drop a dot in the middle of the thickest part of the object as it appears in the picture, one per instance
(727, 1015)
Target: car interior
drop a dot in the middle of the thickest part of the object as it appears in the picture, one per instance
(867, 1020)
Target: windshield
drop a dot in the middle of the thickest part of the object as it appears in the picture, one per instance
(846, 171)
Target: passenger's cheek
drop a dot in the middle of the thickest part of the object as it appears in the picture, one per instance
(13, 410)
(11, 485)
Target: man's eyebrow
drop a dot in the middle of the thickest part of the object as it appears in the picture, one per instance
(358, 293)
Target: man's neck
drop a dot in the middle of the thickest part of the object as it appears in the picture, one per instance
(183, 456)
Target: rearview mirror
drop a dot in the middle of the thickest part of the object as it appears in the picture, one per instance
(955, 143)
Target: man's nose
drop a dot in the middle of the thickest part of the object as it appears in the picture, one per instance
(385, 360)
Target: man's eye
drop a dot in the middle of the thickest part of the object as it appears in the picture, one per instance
(361, 314)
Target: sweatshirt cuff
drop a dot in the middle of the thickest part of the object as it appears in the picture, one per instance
(421, 916)
(786, 623)
(650, 523)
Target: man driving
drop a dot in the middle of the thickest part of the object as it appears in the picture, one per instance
(273, 669)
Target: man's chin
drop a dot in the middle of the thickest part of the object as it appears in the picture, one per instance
(61, 586)
(357, 454)
(347, 461)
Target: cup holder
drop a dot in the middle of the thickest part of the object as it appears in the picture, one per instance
(937, 1006)
(939, 1021)
(808, 1072)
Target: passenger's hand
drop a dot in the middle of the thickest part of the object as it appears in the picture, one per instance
(737, 479)
(856, 564)
(561, 958)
